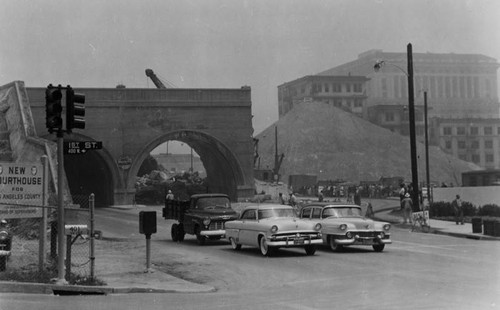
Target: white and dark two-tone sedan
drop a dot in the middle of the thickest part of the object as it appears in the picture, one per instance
(344, 225)
(273, 226)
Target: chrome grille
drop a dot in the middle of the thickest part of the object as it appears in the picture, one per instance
(216, 225)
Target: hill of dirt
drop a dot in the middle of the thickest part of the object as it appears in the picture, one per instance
(319, 139)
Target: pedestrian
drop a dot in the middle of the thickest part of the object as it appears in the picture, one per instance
(407, 204)
(320, 196)
(402, 192)
(293, 200)
(170, 195)
(357, 197)
(369, 211)
(282, 199)
(459, 211)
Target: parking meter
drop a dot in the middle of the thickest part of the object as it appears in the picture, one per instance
(147, 222)
(147, 226)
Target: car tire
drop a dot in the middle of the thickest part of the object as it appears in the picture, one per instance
(234, 245)
(265, 249)
(378, 247)
(174, 232)
(310, 249)
(180, 233)
(334, 246)
(201, 239)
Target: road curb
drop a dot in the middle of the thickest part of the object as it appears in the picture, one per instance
(42, 288)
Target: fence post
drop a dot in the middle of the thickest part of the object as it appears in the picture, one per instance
(68, 257)
(92, 235)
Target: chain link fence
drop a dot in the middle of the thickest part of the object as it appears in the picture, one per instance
(33, 256)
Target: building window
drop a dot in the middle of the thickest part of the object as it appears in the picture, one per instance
(474, 145)
(498, 130)
(447, 145)
(488, 144)
(462, 145)
(474, 131)
(389, 117)
(461, 131)
(383, 82)
(348, 87)
(447, 131)
(475, 158)
(488, 130)
(337, 103)
(327, 88)
(358, 103)
(462, 157)
(357, 88)
(336, 88)
(489, 158)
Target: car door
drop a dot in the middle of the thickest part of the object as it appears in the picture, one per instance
(246, 232)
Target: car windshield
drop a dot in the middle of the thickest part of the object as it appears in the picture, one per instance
(213, 203)
(268, 213)
(342, 212)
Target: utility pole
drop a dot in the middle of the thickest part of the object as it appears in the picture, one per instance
(427, 150)
(413, 137)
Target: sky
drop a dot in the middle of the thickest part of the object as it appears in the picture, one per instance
(226, 43)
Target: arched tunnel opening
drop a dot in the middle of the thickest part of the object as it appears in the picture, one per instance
(86, 174)
(217, 161)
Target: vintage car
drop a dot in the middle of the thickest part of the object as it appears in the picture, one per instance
(344, 225)
(272, 226)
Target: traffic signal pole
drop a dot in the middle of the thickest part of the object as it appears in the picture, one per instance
(75, 112)
(60, 209)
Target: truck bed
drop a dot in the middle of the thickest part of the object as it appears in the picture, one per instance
(175, 209)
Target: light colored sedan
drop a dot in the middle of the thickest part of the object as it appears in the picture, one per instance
(344, 225)
(272, 226)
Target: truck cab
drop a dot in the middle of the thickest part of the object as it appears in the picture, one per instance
(204, 215)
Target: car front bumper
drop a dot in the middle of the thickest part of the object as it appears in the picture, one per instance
(213, 233)
(293, 243)
(357, 240)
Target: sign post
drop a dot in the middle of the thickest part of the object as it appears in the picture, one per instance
(81, 147)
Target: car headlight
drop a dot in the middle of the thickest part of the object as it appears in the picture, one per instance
(206, 222)
(274, 229)
(387, 227)
(317, 227)
(343, 227)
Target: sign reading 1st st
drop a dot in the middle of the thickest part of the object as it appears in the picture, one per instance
(21, 186)
(81, 147)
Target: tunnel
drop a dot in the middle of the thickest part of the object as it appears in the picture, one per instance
(224, 174)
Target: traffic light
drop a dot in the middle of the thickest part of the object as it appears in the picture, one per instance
(53, 108)
(75, 110)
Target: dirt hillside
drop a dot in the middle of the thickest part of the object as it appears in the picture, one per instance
(322, 140)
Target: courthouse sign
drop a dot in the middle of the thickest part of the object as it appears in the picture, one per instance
(21, 186)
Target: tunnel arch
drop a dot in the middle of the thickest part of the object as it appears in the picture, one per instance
(224, 172)
(93, 172)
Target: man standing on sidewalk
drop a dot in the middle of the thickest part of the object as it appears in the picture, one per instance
(407, 205)
(459, 211)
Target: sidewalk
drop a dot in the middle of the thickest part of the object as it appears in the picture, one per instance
(437, 226)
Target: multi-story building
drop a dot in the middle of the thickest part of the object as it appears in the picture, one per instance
(462, 94)
(345, 92)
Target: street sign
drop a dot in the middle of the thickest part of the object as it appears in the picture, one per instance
(81, 147)
(21, 186)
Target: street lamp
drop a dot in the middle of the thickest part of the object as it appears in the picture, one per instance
(413, 139)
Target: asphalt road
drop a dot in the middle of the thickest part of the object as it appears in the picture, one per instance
(417, 271)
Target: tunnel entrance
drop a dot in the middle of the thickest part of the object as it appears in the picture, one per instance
(88, 173)
(223, 172)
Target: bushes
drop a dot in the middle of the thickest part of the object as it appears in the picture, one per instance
(444, 209)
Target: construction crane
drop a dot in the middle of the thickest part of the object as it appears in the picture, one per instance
(156, 80)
